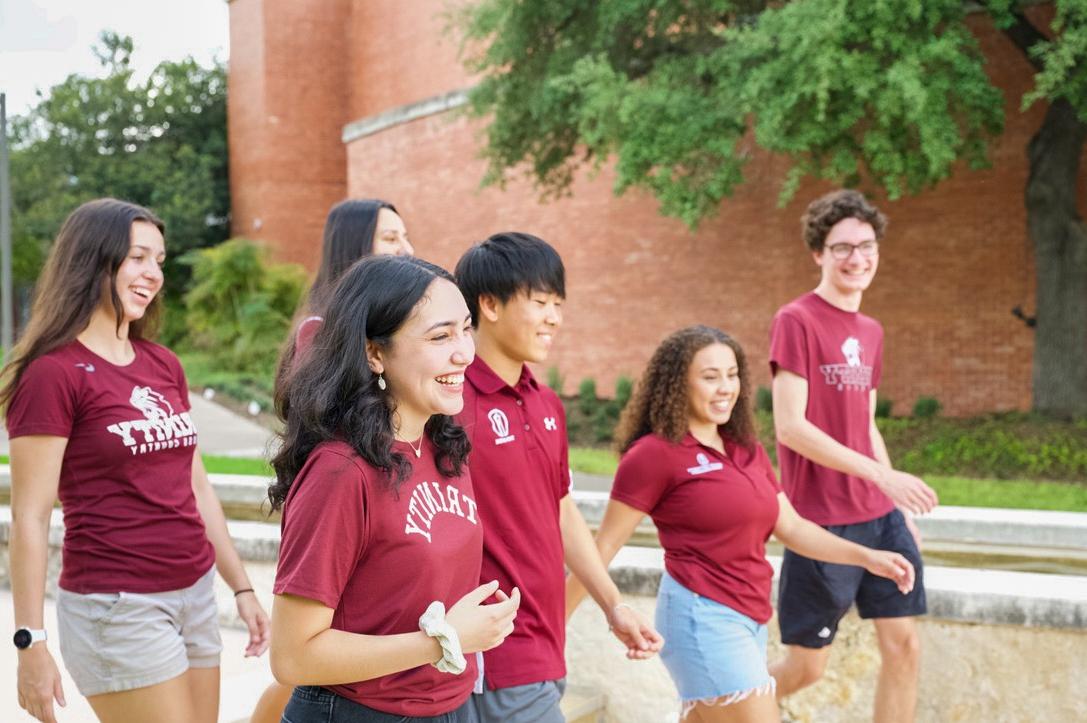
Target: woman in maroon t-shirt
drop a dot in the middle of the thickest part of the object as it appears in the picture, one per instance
(354, 229)
(380, 528)
(692, 462)
(99, 417)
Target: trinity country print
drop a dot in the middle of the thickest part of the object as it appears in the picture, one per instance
(854, 373)
(160, 427)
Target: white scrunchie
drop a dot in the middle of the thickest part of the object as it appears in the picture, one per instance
(433, 623)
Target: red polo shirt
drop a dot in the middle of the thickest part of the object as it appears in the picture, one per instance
(840, 353)
(378, 558)
(713, 512)
(520, 471)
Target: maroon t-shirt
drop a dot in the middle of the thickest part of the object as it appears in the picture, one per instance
(713, 512)
(378, 558)
(130, 517)
(521, 472)
(840, 353)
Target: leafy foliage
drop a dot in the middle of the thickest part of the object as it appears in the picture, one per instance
(239, 307)
(160, 143)
(678, 91)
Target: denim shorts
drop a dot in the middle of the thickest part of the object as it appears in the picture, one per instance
(714, 654)
(312, 704)
(813, 596)
(123, 640)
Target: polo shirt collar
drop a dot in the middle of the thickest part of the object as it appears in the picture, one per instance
(690, 441)
(483, 378)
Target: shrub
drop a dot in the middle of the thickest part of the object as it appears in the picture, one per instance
(554, 380)
(239, 306)
(926, 408)
(624, 387)
(764, 400)
(884, 405)
(586, 396)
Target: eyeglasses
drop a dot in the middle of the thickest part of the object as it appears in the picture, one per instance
(843, 251)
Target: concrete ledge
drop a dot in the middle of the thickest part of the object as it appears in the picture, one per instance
(957, 594)
(403, 114)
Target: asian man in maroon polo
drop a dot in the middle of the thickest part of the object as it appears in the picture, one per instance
(826, 358)
(514, 284)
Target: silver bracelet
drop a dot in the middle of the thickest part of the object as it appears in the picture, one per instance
(434, 624)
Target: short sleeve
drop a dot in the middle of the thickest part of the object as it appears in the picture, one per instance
(788, 345)
(763, 461)
(45, 401)
(324, 529)
(566, 477)
(877, 362)
(182, 382)
(642, 478)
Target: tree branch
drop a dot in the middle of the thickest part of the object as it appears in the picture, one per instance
(1025, 36)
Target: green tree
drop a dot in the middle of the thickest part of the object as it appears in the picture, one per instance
(892, 93)
(160, 143)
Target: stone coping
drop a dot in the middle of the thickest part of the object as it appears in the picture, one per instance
(403, 114)
(958, 594)
(973, 525)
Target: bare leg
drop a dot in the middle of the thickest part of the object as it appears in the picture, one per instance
(204, 692)
(900, 649)
(799, 668)
(272, 703)
(167, 702)
(752, 709)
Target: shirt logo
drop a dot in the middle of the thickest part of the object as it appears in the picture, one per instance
(551, 424)
(854, 374)
(428, 500)
(160, 428)
(85, 365)
(704, 465)
(500, 425)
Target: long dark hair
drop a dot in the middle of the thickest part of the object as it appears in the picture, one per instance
(659, 404)
(90, 248)
(348, 237)
(333, 394)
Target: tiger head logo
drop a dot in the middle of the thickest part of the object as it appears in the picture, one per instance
(153, 405)
(852, 350)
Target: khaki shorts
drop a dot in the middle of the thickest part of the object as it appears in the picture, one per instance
(112, 642)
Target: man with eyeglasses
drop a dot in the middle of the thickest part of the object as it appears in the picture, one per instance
(826, 360)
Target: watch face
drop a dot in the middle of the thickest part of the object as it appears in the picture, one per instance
(22, 638)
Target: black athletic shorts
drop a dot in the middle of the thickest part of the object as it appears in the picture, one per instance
(814, 596)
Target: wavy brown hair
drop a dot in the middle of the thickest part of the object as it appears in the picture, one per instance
(659, 404)
(90, 248)
(827, 210)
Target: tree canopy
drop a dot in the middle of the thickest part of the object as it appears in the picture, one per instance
(676, 93)
(160, 143)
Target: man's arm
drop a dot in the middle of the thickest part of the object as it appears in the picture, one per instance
(790, 392)
(583, 559)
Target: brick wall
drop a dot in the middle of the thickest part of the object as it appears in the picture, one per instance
(956, 260)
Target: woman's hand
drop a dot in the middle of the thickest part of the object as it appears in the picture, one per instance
(252, 614)
(635, 632)
(39, 683)
(892, 566)
(479, 626)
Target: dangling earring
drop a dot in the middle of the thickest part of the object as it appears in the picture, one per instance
(381, 382)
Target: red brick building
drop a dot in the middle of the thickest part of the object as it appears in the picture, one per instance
(336, 98)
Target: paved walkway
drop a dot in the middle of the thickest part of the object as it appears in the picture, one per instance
(243, 679)
(221, 432)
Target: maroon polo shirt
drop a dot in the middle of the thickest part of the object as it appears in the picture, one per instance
(713, 512)
(130, 517)
(378, 558)
(520, 471)
(840, 353)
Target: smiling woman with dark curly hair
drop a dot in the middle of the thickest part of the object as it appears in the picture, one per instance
(692, 462)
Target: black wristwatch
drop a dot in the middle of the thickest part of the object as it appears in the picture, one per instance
(25, 637)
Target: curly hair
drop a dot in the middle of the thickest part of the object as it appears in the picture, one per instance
(659, 404)
(333, 394)
(824, 212)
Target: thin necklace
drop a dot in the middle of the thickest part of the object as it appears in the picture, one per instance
(418, 450)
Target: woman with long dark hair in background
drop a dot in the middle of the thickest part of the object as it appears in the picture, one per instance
(99, 416)
(354, 229)
(380, 533)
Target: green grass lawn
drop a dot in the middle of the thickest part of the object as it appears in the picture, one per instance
(957, 491)
(222, 465)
